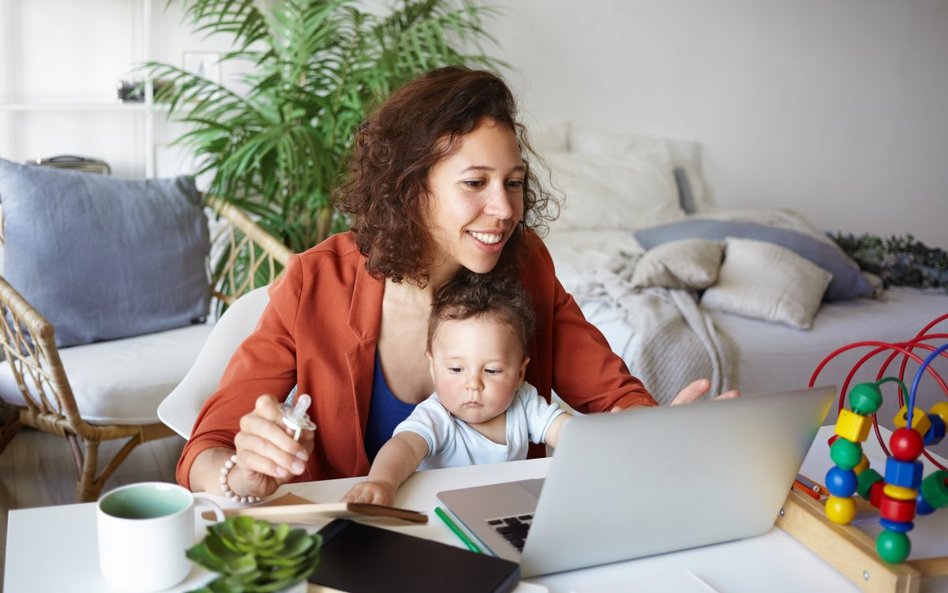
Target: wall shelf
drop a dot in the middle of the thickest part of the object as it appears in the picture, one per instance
(60, 65)
(67, 106)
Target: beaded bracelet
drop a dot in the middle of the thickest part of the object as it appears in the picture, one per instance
(225, 472)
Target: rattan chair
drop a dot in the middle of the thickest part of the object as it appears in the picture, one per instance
(242, 251)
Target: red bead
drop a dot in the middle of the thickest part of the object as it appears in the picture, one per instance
(894, 509)
(906, 444)
(876, 493)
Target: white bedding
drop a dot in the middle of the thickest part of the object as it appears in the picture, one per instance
(771, 356)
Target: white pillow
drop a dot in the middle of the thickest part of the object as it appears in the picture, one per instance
(766, 281)
(691, 264)
(683, 153)
(608, 193)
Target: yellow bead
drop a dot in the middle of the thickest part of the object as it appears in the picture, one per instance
(899, 492)
(853, 427)
(840, 510)
(862, 465)
(920, 421)
(940, 409)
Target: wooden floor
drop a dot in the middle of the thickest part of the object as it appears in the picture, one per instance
(37, 469)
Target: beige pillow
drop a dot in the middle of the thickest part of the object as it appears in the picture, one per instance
(766, 281)
(691, 264)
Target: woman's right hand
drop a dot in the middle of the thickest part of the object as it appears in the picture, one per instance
(267, 455)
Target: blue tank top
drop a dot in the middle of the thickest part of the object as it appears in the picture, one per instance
(385, 413)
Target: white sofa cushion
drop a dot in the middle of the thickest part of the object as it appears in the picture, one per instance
(123, 381)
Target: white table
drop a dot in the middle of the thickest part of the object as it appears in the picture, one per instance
(54, 548)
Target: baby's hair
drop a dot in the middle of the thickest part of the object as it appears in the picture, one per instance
(499, 298)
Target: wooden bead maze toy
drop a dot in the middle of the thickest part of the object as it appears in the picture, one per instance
(901, 494)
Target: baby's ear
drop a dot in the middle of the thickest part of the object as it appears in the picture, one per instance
(523, 367)
(430, 364)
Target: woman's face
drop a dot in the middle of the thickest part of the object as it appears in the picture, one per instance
(475, 200)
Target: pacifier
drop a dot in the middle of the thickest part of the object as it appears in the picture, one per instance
(294, 414)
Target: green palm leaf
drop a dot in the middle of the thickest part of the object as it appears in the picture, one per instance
(276, 149)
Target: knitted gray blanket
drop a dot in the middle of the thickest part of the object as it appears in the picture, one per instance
(674, 342)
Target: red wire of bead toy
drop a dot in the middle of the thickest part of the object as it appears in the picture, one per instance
(903, 492)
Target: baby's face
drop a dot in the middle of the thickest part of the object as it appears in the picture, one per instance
(477, 365)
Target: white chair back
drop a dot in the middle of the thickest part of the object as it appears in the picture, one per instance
(181, 408)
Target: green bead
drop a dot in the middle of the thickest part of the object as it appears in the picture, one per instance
(935, 490)
(893, 547)
(865, 398)
(867, 478)
(845, 453)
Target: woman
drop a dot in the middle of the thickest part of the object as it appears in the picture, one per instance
(436, 183)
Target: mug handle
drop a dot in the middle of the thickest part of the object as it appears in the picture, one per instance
(210, 504)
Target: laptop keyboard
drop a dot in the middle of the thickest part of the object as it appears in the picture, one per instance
(513, 529)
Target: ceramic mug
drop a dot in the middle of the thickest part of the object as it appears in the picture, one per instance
(144, 530)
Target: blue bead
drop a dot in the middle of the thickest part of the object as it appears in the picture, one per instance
(841, 482)
(922, 507)
(897, 526)
(937, 432)
(907, 474)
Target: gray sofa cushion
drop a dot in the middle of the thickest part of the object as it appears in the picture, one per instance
(848, 281)
(104, 258)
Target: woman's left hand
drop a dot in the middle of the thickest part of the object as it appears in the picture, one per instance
(696, 391)
(692, 393)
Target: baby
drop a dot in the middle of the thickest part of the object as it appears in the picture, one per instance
(482, 411)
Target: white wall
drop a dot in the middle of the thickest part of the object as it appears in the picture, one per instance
(63, 59)
(837, 109)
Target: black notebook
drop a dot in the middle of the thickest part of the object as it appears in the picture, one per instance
(364, 559)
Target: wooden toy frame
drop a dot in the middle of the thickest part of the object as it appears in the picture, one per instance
(851, 551)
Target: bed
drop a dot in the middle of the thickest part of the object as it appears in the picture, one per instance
(778, 295)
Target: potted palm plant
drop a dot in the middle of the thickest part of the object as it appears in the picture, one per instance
(276, 146)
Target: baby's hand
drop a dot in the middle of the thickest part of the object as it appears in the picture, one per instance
(372, 492)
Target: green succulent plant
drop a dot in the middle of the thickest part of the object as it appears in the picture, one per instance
(254, 556)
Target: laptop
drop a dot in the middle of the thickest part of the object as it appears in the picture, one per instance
(649, 480)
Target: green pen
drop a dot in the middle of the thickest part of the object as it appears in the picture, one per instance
(457, 531)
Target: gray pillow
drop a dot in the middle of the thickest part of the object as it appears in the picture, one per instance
(690, 264)
(686, 198)
(848, 281)
(104, 258)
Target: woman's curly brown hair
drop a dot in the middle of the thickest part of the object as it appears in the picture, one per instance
(385, 189)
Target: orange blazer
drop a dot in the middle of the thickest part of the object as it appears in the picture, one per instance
(320, 331)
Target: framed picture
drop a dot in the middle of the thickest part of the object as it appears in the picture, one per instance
(203, 63)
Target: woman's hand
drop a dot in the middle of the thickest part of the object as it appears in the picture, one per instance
(267, 455)
(696, 391)
(692, 393)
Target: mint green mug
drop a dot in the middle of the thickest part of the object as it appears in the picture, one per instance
(144, 530)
